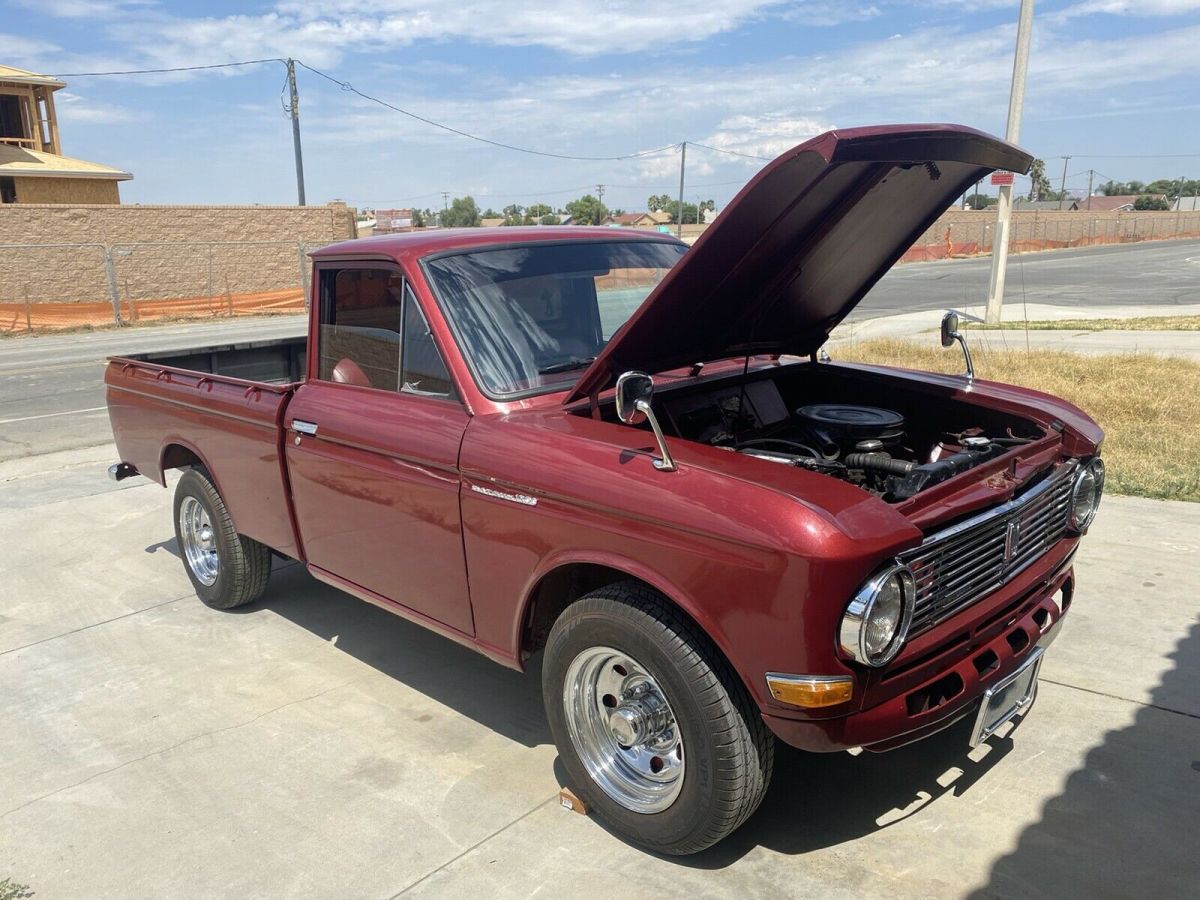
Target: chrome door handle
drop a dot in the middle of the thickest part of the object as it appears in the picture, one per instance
(301, 427)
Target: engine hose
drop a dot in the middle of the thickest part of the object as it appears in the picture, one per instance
(880, 462)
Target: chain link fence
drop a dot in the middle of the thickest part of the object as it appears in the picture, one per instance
(970, 233)
(55, 286)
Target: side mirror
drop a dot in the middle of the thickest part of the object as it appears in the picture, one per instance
(951, 334)
(635, 390)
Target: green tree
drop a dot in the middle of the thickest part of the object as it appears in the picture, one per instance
(515, 214)
(1039, 186)
(463, 213)
(490, 213)
(538, 210)
(659, 202)
(980, 201)
(1147, 202)
(587, 210)
(418, 219)
(550, 219)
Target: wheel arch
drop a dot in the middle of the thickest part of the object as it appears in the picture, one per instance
(178, 453)
(565, 580)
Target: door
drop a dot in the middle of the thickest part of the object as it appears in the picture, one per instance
(372, 441)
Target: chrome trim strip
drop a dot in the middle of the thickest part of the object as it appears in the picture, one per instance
(956, 567)
(523, 499)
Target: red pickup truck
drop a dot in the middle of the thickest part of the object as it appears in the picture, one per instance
(635, 458)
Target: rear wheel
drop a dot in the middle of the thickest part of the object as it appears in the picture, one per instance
(226, 569)
(653, 727)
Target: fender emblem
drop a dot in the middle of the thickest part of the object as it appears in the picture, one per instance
(523, 499)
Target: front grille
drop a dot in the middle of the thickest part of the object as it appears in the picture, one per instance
(957, 567)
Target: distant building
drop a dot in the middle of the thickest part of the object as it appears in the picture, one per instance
(492, 222)
(1186, 204)
(391, 221)
(1046, 205)
(1115, 203)
(638, 219)
(32, 166)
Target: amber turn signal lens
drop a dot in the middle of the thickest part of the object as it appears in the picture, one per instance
(810, 691)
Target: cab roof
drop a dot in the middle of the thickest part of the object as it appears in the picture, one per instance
(439, 240)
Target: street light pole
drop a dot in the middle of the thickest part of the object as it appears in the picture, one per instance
(679, 209)
(294, 100)
(1012, 134)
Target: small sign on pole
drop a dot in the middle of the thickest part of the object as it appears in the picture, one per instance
(1000, 179)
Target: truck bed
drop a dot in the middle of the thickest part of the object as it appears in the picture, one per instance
(222, 407)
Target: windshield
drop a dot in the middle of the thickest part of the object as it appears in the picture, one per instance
(531, 318)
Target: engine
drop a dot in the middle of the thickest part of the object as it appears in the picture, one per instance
(869, 446)
(872, 447)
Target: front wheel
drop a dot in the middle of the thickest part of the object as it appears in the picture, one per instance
(655, 730)
(226, 569)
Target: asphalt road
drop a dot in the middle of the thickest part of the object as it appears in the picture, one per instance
(1163, 272)
(52, 394)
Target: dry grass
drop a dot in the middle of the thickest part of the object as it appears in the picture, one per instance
(1149, 406)
(1139, 323)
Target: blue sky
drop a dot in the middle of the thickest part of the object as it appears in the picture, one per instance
(1108, 79)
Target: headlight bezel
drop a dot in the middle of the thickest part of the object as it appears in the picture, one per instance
(853, 629)
(1095, 469)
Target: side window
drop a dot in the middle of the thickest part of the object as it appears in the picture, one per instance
(424, 371)
(359, 340)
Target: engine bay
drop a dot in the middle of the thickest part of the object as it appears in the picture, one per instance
(896, 447)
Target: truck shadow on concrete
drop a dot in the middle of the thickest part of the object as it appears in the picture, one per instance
(856, 795)
(1125, 824)
(506, 701)
(820, 800)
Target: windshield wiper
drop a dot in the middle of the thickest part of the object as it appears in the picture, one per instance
(575, 362)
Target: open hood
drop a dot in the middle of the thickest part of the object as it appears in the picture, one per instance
(800, 245)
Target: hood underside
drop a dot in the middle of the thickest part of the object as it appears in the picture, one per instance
(800, 245)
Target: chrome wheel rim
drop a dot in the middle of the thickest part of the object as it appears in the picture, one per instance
(199, 541)
(624, 729)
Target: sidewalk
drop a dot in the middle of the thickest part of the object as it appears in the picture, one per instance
(923, 326)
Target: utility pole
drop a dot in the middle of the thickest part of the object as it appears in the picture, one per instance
(295, 111)
(1016, 101)
(600, 211)
(1091, 174)
(1179, 206)
(679, 209)
(445, 206)
(1062, 186)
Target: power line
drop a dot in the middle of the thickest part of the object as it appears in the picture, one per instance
(229, 65)
(347, 86)
(730, 152)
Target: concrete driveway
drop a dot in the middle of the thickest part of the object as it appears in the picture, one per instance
(313, 745)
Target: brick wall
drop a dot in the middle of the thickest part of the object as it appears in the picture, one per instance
(160, 252)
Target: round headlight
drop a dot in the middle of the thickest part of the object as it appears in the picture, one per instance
(876, 621)
(1085, 494)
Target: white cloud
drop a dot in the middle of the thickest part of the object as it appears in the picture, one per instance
(1132, 8)
(766, 135)
(85, 9)
(21, 51)
(74, 108)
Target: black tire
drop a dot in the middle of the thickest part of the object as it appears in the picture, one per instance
(244, 565)
(728, 750)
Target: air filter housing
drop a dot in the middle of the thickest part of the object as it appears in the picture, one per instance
(837, 428)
